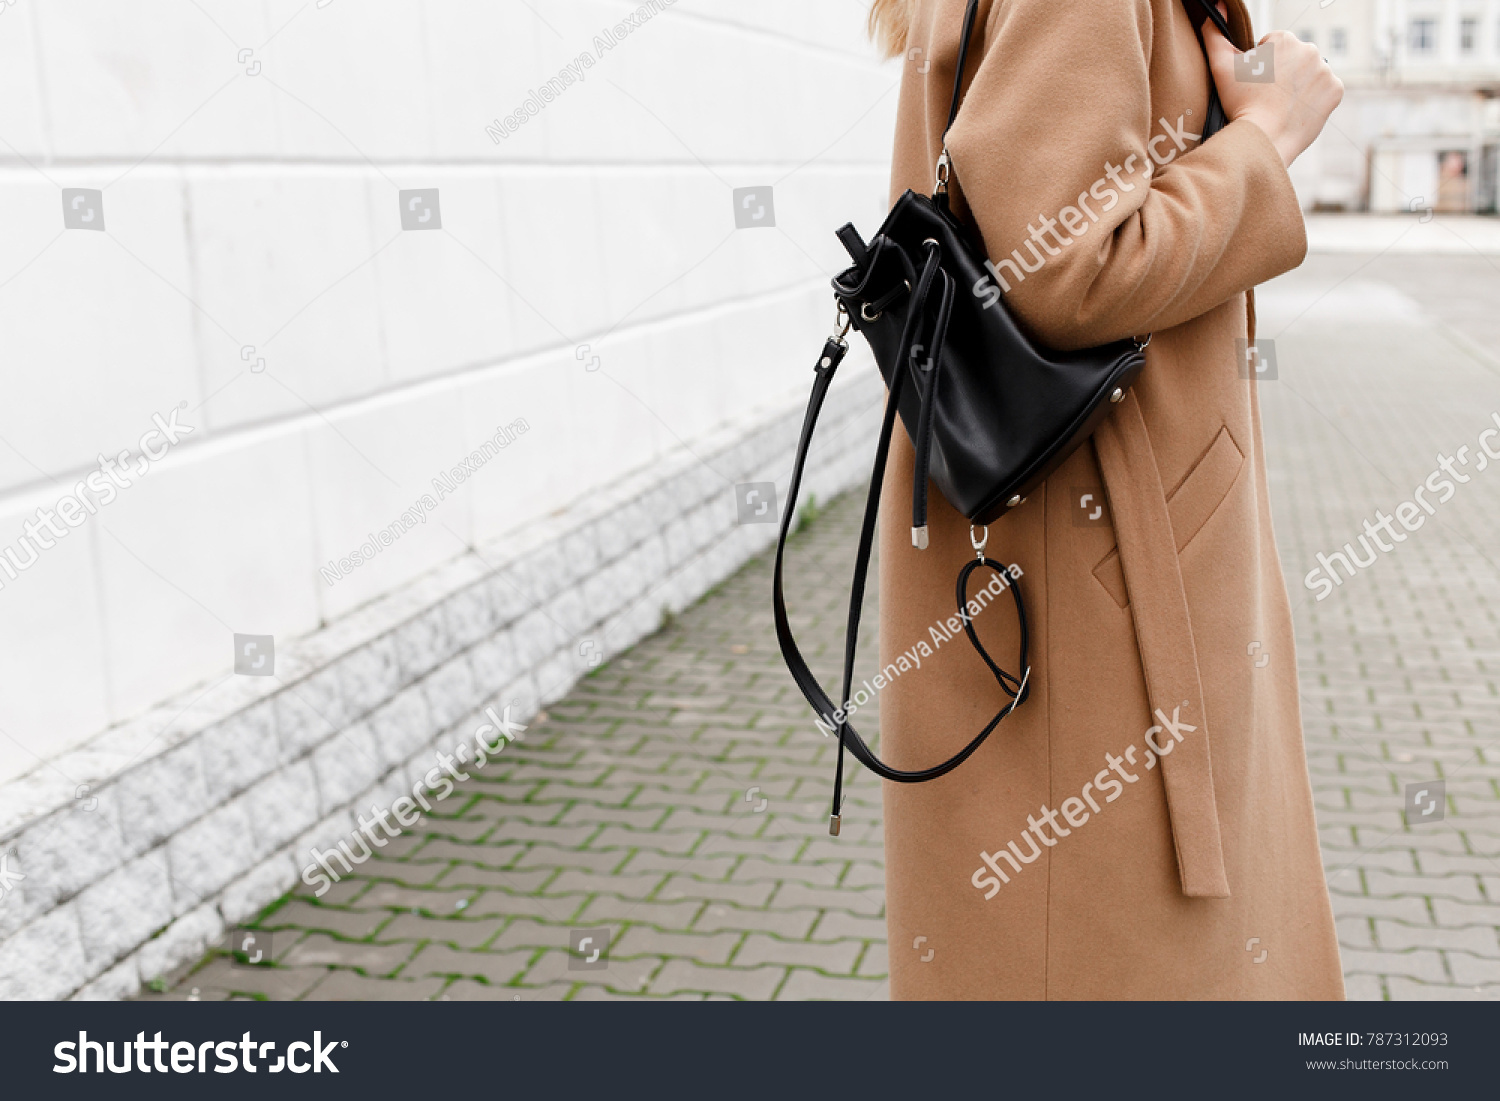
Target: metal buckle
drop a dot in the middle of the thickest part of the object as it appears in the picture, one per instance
(944, 170)
(841, 323)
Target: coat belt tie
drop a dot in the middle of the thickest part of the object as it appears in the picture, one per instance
(1153, 578)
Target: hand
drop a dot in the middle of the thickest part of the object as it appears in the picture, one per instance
(1293, 108)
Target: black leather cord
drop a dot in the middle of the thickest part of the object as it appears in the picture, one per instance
(833, 354)
(1217, 118)
(1219, 21)
(963, 57)
(861, 572)
(929, 407)
(923, 456)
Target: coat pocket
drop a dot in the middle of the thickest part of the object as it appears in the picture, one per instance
(1196, 498)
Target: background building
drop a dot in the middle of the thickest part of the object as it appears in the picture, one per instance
(1419, 127)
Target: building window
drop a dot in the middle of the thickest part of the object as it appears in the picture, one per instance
(1468, 35)
(1422, 38)
(1338, 41)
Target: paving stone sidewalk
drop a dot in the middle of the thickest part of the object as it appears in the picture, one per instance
(675, 801)
(1386, 365)
(678, 796)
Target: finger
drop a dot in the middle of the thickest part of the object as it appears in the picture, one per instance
(1221, 51)
(1222, 58)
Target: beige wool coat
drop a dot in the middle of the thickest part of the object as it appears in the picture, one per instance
(1161, 620)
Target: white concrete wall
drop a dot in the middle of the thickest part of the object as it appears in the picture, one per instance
(259, 209)
(127, 858)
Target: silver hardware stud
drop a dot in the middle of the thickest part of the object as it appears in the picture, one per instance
(919, 537)
(1014, 501)
(1118, 396)
(827, 361)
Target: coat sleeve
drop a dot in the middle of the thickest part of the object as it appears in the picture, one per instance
(1053, 154)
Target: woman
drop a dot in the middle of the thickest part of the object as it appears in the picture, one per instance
(1142, 827)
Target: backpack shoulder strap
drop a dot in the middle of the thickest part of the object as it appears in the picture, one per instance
(963, 58)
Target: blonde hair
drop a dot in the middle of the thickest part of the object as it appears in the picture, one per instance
(890, 22)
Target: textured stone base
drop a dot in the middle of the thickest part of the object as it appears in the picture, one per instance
(140, 849)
